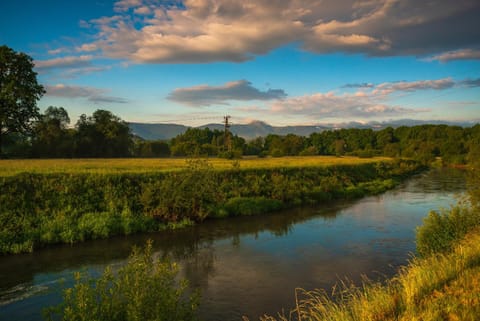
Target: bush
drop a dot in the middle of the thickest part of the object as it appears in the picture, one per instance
(144, 289)
(441, 229)
(239, 206)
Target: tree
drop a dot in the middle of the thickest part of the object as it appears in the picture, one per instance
(19, 93)
(52, 138)
(340, 147)
(102, 135)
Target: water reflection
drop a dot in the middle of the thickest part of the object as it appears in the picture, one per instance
(251, 265)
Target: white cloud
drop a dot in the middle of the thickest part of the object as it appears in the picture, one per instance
(87, 47)
(462, 54)
(143, 10)
(368, 101)
(409, 86)
(92, 94)
(71, 66)
(64, 62)
(332, 105)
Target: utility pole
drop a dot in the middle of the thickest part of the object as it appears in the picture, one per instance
(226, 141)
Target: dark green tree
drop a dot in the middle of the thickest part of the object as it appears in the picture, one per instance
(19, 93)
(102, 135)
(51, 137)
(155, 148)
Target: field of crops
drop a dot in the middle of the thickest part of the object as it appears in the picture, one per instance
(143, 165)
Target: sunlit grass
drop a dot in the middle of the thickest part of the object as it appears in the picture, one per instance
(141, 165)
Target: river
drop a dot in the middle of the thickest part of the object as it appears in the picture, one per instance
(251, 265)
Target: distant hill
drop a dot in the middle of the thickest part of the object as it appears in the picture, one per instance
(259, 128)
(157, 131)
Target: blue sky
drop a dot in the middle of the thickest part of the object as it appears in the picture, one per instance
(285, 62)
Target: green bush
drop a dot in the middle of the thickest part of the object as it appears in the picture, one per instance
(144, 289)
(240, 206)
(441, 229)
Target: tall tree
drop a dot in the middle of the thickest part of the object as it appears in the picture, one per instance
(19, 93)
(102, 135)
(51, 137)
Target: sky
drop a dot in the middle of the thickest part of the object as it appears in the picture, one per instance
(283, 62)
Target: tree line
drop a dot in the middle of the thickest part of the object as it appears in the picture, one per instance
(104, 134)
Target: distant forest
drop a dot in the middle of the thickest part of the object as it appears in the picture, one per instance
(105, 135)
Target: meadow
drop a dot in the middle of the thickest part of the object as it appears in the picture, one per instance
(149, 165)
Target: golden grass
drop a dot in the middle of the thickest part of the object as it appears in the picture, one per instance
(142, 165)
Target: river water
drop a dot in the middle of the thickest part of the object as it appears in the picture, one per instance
(251, 265)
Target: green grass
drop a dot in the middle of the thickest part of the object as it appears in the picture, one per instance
(148, 165)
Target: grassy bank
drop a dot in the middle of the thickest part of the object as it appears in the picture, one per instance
(48, 206)
(443, 283)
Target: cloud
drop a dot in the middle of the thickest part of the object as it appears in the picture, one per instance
(359, 85)
(64, 62)
(240, 90)
(71, 66)
(125, 5)
(369, 101)
(410, 86)
(332, 105)
(201, 31)
(470, 82)
(462, 54)
(92, 94)
(87, 47)
(73, 72)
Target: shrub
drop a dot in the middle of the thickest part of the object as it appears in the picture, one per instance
(239, 206)
(144, 289)
(441, 229)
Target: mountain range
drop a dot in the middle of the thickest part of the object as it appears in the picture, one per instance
(163, 131)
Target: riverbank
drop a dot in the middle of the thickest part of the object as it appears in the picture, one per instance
(441, 283)
(440, 287)
(46, 208)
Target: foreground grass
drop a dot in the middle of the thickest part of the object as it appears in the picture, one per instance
(443, 286)
(148, 165)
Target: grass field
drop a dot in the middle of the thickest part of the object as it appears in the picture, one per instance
(142, 165)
